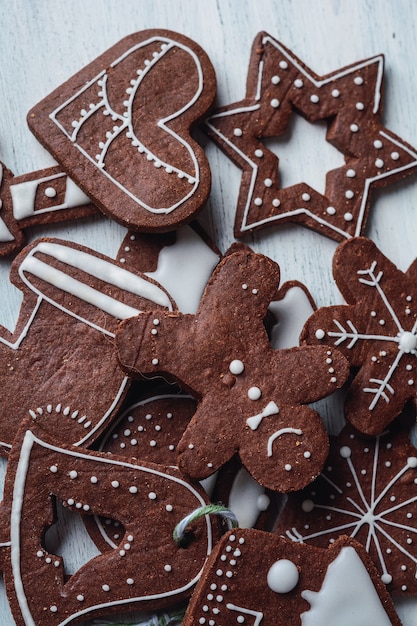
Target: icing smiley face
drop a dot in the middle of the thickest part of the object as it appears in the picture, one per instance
(252, 399)
(376, 330)
(280, 85)
(124, 134)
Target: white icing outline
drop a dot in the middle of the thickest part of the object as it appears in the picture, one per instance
(23, 197)
(365, 508)
(258, 615)
(382, 385)
(126, 122)
(278, 433)
(245, 226)
(18, 494)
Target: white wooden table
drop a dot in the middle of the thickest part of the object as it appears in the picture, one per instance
(43, 42)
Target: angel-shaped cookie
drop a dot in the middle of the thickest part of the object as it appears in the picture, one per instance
(376, 330)
(252, 399)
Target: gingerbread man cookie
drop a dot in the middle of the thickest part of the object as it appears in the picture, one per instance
(252, 399)
(376, 330)
(350, 99)
(122, 129)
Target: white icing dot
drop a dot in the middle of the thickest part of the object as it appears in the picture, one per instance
(155, 361)
(53, 469)
(133, 489)
(395, 156)
(345, 452)
(274, 103)
(238, 132)
(360, 106)
(73, 474)
(358, 80)
(379, 163)
(386, 578)
(282, 576)
(306, 197)
(236, 367)
(276, 202)
(349, 194)
(348, 216)
(412, 462)
(259, 153)
(168, 568)
(307, 454)
(80, 597)
(351, 173)
(288, 467)
(335, 93)
(254, 393)
(50, 192)
(169, 508)
(298, 83)
(152, 495)
(354, 128)
(307, 506)
(330, 210)
(320, 333)
(283, 65)
(115, 483)
(155, 322)
(314, 98)
(275, 80)
(105, 587)
(53, 608)
(257, 202)
(378, 144)
(268, 182)
(130, 581)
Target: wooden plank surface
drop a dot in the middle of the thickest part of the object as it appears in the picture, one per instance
(43, 42)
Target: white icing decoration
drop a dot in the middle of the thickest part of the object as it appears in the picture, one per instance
(282, 576)
(367, 509)
(278, 433)
(258, 615)
(22, 470)
(236, 367)
(184, 269)
(347, 596)
(317, 83)
(270, 409)
(406, 339)
(254, 393)
(24, 193)
(125, 121)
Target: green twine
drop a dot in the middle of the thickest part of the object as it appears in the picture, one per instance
(208, 509)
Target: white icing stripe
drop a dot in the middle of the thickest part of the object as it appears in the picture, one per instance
(57, 278)
(258, 615)
(24, 193)
(126, 122)
(18, 494)
(106, 271)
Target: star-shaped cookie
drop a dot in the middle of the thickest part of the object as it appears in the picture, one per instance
(376, 330)
(350, 100)
(252, 399)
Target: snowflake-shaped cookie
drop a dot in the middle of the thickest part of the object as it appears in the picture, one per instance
(252, 399)
(376, 330)
(368, 490)
(350, 100)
